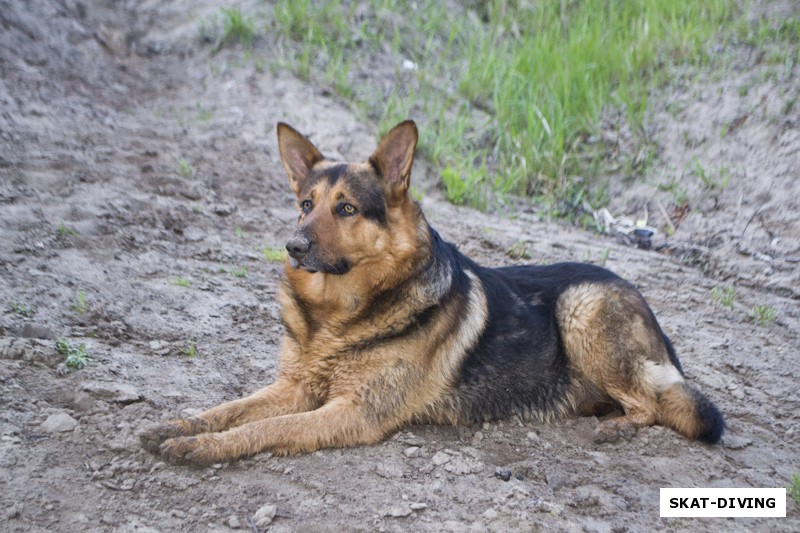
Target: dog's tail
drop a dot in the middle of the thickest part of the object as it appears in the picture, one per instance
(687, 410)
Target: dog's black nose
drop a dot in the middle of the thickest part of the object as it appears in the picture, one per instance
(298, 246)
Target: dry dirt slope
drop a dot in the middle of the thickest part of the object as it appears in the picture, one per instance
(98, 105)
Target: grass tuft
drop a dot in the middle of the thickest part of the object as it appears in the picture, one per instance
(762, 315)
(239, 272)
(80, 305)
(794, 488)
(23, 310)
(185, 169)
(724, 297)
(274, 255)
(237, 27)
(76, 355)
(181, 282)
(190, 350)
(63, 231)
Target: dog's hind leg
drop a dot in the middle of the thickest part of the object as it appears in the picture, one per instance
(613, 343)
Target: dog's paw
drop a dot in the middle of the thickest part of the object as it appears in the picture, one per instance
(613, 431)
(152, 436)
(200, 450)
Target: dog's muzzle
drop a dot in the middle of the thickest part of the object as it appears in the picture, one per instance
(298, 246)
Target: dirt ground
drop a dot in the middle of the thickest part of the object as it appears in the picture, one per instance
(99, 104)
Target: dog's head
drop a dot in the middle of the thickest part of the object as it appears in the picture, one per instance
(353, 216)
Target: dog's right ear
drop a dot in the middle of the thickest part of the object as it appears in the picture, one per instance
(298, 156)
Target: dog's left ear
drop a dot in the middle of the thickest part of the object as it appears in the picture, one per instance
(394, 156)
(298, 155)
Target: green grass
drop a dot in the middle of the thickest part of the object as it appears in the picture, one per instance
(274, 255)
(23, 310)
(80, 304)
(237, 27)
(794, 488)
(63, 231)
(181, 282)
(518, 250)
(724, 297)
(185, 169)
(190, 350)
(239, 272)
(76, 355)
(507, 94)
(762, 315)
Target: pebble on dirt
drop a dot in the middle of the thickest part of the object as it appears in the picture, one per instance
(503, 474)
(59, 423)
(264, 516)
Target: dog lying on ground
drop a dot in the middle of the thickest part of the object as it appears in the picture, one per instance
(387, 324)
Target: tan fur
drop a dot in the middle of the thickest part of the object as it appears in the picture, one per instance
(611, 346)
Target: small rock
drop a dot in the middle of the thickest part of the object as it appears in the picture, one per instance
(389, 470)
(192, 192)
(264, 516)
(193, 234)
(398, 512)
(413, 451)
(490, 514)
(418, 506)
(224, 210)
(440, 458)
(461, 466)
(158, 347)
(113, 391)
(234, 523)
(14, 512)
(35, 331)
(81, 402)
(502, 473)
(59, 423)
(555, 477)
(543, 506)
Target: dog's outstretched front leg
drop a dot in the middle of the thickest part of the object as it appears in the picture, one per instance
(341, 422)
(282, 397)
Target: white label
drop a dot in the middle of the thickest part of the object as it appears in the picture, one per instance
(723, 502)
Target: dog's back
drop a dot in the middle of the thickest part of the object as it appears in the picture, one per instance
(569, 338)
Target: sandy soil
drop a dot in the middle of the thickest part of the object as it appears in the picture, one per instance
(99, 104)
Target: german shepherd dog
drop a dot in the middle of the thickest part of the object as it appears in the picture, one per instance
(387, 324)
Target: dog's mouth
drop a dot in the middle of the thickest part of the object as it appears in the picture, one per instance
(312, 266)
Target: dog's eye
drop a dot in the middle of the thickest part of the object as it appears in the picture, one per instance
(347, 210)
(306, 206)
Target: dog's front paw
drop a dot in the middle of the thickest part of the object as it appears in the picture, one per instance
(200, 450)
(152, 436)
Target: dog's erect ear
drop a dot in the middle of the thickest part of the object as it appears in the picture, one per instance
(394, 156)
(298, 155)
